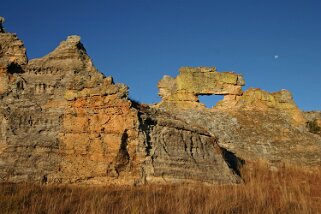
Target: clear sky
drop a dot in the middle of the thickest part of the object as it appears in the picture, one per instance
(275, 44)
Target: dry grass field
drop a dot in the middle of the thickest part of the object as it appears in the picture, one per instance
(289, 190)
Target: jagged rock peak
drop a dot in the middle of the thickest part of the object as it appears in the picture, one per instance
(73, 39)
(70, 55)
(70, 45)
(12, 50)
(12, 58)
(72, 42)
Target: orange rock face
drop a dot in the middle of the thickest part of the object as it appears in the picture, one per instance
(99, 139)
(62, 121)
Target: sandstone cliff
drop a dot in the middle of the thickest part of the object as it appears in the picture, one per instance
(62, 121)
(183, 91)
(253, 124)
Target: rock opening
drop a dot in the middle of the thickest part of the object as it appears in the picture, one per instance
(210, 100)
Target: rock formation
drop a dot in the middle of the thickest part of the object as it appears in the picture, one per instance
(314, 121)
(183, 91)
(253, 124)
(62, 121)
(177, 151)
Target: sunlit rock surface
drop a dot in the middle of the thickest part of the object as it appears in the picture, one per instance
(183, 91)
(62, 121)
(253, 125)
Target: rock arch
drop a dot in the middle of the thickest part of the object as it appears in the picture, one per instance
(183, 91)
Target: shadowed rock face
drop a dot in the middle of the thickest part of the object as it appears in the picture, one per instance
(253, 135)
(181, 152)
(62, 121)
(314, 121)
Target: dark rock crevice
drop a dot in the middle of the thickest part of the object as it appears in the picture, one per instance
(235, 163)
(122, 159)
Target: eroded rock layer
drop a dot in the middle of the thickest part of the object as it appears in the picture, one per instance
(253, 125)
(62, 121)
(181, 152)
(183, 90)
(253, 135)
(314, 121)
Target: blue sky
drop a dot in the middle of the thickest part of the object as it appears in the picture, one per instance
(139, 41)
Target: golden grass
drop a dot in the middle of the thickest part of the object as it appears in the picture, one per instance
(289, 190)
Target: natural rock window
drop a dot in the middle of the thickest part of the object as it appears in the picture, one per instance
(183, 90)
(210, 100)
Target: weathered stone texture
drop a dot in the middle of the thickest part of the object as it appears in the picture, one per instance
(183, 90)
(254, 135)
(182, 93)
(202, 81)
(100, 136)
(253, 125)
(260, 100)
(62, 121)
(12, 56)
(314, 121)
(11, 50)
(28, 130)
(181, 152)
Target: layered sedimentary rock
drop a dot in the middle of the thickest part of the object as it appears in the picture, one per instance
(260, 100)
(252, 125)
(12, 56)
(181, 152)
(253, 135)
(183, 91)
(62, 121)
